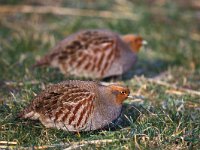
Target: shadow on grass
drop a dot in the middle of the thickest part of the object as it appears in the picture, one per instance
(145, 68)
(130, 113)
(148, 68)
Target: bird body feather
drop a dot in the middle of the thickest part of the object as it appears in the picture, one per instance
(74, 106)
(90, 53)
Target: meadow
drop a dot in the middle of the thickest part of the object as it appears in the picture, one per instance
(167, 72)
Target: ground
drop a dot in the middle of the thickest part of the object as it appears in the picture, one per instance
(167, 73)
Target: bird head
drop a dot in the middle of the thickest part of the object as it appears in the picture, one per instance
(134, 41)
(121, 93)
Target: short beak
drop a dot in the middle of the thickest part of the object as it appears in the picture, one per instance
(144, 42)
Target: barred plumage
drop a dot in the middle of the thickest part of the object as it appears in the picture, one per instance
(77, 105)
(94, 54)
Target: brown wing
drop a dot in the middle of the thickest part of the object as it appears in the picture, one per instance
(61, 102)
(87, 53)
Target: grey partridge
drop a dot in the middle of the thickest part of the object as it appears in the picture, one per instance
(94, 54)
(77, 105)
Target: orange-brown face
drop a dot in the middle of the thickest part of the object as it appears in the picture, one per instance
(120, 92)
(134, 41)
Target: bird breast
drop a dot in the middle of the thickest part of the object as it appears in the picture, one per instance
(128, 58)
(106, 110)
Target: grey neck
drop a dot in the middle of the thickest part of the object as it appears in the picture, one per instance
(106, 110)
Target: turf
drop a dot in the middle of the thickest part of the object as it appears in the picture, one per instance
(169, 117)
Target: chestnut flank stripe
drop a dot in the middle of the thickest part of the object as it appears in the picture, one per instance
(60, 112)
(108, 62)
(71, 60)
(96, 50)
(87, 66)
(81, 115)
(93, 64)
(87, 107)
(71, 119)
(76, 110)
(64, 118)
(90, 107)
(100, 61)
(108, 46)
(80, 62)
(78, 106)
(68, 112)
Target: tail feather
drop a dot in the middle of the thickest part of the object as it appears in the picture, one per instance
(23, 113)
(31, 114)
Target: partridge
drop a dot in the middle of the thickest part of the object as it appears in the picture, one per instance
(94, 54)
(77, 105)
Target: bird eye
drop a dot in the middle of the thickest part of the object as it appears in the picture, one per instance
(123, 92)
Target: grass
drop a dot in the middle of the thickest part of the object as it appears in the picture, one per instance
(167, 119)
